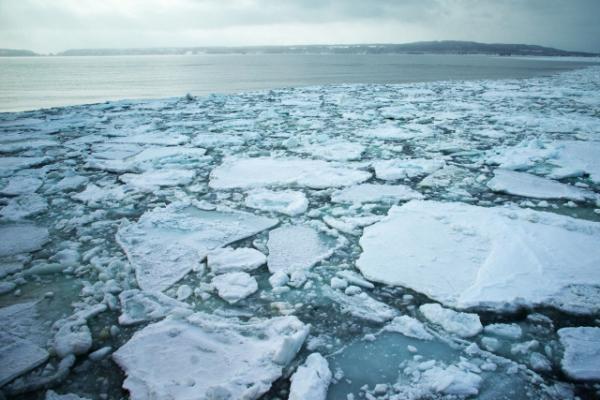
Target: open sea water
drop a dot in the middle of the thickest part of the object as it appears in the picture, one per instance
(28, 83)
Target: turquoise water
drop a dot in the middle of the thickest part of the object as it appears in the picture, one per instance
(38, 82)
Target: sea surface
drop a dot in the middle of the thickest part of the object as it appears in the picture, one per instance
(28, 83)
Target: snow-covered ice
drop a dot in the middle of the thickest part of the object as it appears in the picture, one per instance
(407, 168)
(248, 173)
(459, 323)
(284, 201)
(581, 359)
(209, 357)
(167, 243)
(372, 193)
(485, 257)
(528, 185)
(234, 286)
(311, 380)
(227, 259)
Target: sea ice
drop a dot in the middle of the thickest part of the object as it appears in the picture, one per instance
(21, 185)
(287, 202)
(297, 247)
(15, 239)
(209, 357)
(459, 323)
(575, 158)
(167, 243)
(234, 286)
(333, 150)
(18, 357)
(361, 305)
(581, 359)
(246, 173)
(139, 306)
(8, 165)
(487, 257)
(24, 206)
(373, 193)
(154, 179)
(408, 326)
(528, 185)
(407, 168)
(226, 259)
(311, 380)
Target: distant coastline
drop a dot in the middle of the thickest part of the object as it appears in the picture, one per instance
(430, 47)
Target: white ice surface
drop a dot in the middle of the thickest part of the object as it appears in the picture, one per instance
(373, 193)
(297, 247)
(486, 257)
(209, 357)
(528, 185)
(21, 185)
(249, 173)
(24, 206)
(139, 306)
(408, 326)
(311, 379)
(459, 323)
(227, 259)
(285, 201)
(234, 286)
(406, 168)
(167, 243)
(581, 358)
(154, 179)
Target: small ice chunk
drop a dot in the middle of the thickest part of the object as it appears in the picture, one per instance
(16, 239)
(209, 357)
(452, 381)
(68, 184)
(227, 259)
(374, 193)
(333, 150)
(355, 279)
(234, 286)
(459, 323)
(183, 292)
(73, 337)
(264, 171)
(509, 331)
(408, 326)
(408, 168)
(311, 380)
(139, 306)
(581, 359)
(52, 395)
(279, 279)
(338, 283)
(287, 202)
(361, 305)
(297, 247)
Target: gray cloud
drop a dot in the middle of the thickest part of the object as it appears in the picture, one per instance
(59, 24)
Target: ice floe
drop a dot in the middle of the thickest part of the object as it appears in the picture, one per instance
(373, 193)
(284, 201)
(209, 357)
(408, 168)
(23, 238)
(486, 257)
(227, 259)
(167, 243)
(459, 323)
(581, 359)
(311, 380)
(247, 173)
(234, 286)
(528, 185)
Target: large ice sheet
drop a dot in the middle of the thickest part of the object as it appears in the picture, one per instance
(167, 243)
(467, 256)
(581, 358)
(258, 172)
(209, 357)
(528, 185)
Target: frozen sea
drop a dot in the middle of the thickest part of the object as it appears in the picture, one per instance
(422, 240)
(28, 83)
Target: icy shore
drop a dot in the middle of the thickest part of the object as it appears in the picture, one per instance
(431, 240)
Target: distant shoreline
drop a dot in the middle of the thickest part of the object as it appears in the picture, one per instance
(432, 47)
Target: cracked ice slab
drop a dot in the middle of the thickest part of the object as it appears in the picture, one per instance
(209, 357)
(468, 256)
(247, 173)
(167, 243)
(297, 248)
(581, 359)
(528, 185)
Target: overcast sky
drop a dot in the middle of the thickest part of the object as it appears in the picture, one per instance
(54, 25)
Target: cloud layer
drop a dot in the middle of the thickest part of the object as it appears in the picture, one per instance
(49, 26)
